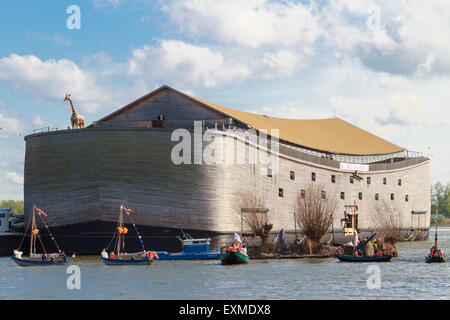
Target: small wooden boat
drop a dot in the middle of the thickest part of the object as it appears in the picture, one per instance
(237, 254)
(117, 256)
(348, 258)
(435, 255)
(39, 259)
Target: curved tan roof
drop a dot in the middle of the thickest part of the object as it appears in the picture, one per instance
(330, 135)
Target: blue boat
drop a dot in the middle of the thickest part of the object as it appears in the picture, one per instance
(30, 262)
(193, 249)
(117, 256)
(36, 259)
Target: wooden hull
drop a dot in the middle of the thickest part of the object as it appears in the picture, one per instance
(117, 262)
(169, 195)
(346, 258)
(234, 258)
(435, 259)
(31, 263)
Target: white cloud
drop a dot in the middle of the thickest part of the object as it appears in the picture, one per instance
(9, 125)
(38, 121)
(14, 177)
(250, 23)
(387, 80)
(52, 79)
(182, 62)
(290, 111)
(282, 63)
(61, 41)
(409, 40)
(106, 3)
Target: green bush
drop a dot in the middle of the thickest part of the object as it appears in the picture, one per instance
(15, 205)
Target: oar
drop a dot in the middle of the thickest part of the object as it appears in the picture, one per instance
(365, 242)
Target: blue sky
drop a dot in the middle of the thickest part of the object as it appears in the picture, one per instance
(382, 66)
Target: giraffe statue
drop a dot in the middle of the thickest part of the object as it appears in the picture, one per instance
(76, 118)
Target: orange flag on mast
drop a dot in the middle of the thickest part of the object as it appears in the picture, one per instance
(41, 212)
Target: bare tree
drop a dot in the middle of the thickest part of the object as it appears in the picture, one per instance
(387, 221)
(253, 211)
(314, 215)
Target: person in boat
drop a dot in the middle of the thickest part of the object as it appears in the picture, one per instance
(357, 253)
(112, 256)
(433, 251)
(243, 248)
(44, 257)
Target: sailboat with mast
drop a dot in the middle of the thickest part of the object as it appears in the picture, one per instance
(436, 255)
(118, 256)
(39, 259)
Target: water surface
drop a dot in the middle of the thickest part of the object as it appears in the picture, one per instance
(406, 277)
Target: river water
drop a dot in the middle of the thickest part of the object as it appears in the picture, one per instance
(405, 277)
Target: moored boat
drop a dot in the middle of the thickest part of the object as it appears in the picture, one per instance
(143, 261)
(435, 255)
(348, 258)
(233, 257)
(117, 256)
(193, 249)
(236, 254)
(434, 258)
(39, 259)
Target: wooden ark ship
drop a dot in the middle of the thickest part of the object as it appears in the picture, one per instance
(81, 176)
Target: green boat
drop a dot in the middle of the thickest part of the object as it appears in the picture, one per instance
(347, 258)
(232, 257)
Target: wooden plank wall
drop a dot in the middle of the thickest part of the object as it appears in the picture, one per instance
(84, 175)
(178, 112)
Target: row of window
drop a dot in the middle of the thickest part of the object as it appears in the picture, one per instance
(333, 178)
(324, 195)
(377, 196)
